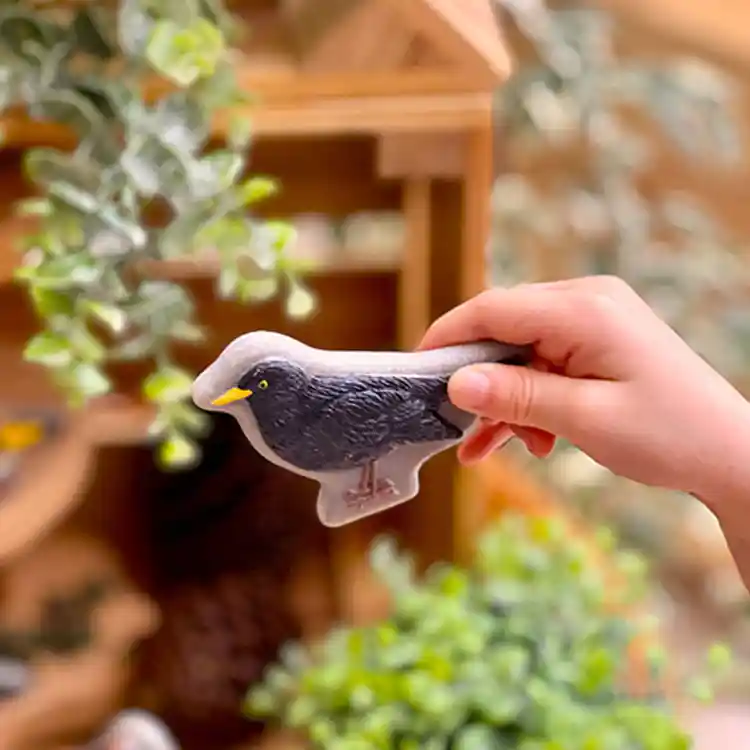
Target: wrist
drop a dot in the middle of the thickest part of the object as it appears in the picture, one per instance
(722, 477)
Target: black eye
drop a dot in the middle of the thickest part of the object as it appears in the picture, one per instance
(263, 385)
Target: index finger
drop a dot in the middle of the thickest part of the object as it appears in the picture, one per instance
(532, 314)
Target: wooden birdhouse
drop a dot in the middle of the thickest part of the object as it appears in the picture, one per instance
(376, 117)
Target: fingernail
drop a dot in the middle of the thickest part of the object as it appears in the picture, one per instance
(469, 389)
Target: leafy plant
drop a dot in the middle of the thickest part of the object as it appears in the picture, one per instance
(586, 112)
(141, 185)
(577, 93)
(527, 650)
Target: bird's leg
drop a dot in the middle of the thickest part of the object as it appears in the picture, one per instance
(369, 486)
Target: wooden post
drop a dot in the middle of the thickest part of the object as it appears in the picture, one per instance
(414, 284)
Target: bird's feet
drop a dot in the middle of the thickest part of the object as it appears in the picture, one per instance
(358, 497)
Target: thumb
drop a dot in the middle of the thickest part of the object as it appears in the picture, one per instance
(522, 396)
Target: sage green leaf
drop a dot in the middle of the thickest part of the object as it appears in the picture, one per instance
(168, 385)
(239, 132)
(86, 380)
(48, 349)
(46, 166)
(90, 33)
(182, 122)
(22, 30)
(226, 285)
(108, 244)
(67, 272)
(34, 207)
(135, 348)
(182, 330)
(216, 173)
(113, 318)
(85, 346)
(69, 108)
(159, 306)
(220, 89)
(134, 26)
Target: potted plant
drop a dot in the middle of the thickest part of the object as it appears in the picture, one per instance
(137, 86)
(527, 650)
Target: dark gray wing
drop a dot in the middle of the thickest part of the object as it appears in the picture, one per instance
(367, 424)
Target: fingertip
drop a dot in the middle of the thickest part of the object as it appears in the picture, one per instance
(469, 389)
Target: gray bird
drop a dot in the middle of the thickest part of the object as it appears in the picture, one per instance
(322, 413)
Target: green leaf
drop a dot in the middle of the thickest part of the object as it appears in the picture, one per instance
(260, 290)
(476, 737)
(50, 303)
(90, 33)
(182, 330)
(48, 349)
(185, 55)
(168, 385)
(257, 189)
(300, 303)
(260, 702)
(134, 26)
(34, 207)
(719, 657)
(227, 282)
(113, 318)
(135, 348)
(86, 380)
(178, 452)
(85, 346)
(239, 132)
(61, 273)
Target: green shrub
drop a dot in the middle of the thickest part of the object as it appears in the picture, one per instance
(527, 650)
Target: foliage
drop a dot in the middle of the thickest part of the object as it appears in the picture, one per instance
(140, 186)
(527, 650)
(577, 89)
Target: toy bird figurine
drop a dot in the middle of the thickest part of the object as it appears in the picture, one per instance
(360, 423)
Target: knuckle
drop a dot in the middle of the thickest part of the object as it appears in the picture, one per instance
(595, 304)
(614, 287)
(484, 306)
(515, 398)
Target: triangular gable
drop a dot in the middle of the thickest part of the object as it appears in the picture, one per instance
(338, 35)
(465, 31)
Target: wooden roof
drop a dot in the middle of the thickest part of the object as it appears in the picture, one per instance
(336, 66)
(377, 35)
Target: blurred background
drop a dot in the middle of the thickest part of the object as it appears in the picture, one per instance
(176, 174)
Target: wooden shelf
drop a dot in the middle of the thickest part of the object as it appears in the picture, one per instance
(208, 267)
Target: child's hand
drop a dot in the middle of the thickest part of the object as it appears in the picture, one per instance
(611, 378)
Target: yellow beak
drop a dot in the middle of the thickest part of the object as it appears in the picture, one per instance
(232, 395)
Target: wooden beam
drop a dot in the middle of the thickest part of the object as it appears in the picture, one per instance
(285, 83)
(436, 155)
(414, 283)
(478, 180)
(323, 117)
